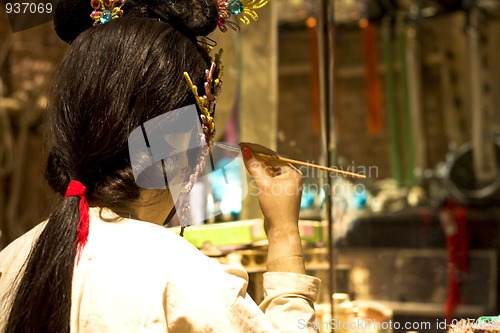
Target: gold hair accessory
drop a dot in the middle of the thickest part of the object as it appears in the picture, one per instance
(106, 10)
(241, 9)
(206, 103)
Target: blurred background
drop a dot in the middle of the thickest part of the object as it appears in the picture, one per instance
(405, 92)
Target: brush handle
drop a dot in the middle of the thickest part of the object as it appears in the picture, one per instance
(315, 166)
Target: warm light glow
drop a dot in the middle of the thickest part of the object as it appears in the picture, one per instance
(363, 23)
(311, 22)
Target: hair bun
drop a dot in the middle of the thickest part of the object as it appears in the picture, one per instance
(71, 18)
(191, 17)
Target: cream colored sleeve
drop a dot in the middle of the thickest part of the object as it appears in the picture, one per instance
(289, 301)
(219, 303)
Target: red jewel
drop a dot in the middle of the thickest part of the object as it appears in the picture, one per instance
(95, 4)
(220, 22)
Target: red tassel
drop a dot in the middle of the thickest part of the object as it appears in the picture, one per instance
(76, 189)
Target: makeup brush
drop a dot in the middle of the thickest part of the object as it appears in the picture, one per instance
(294, 162)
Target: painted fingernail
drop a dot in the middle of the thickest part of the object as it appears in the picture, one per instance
(247, 154)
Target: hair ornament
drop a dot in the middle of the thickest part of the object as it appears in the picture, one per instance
(207, 43)
(106, 10)
(243, 10)
(206, 103)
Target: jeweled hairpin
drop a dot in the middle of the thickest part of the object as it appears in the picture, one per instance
(206, 103)
(241, 9)
(106, 10)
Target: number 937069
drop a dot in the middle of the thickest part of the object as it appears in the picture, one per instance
(28, 8)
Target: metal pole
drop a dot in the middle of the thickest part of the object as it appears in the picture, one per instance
(326, 32)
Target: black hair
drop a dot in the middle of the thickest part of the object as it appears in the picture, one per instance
(113, 78)
(192, 17)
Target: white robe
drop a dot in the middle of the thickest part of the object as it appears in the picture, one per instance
(135, 276)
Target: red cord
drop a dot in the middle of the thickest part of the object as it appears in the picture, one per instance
(76, 189)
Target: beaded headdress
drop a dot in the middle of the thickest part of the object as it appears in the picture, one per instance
(106, 10)
(206, 105)
(243, 10)
(212, 89)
